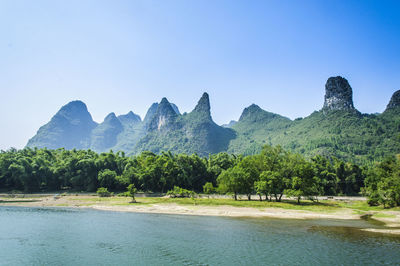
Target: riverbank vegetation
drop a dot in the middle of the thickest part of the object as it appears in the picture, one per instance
(270, 174)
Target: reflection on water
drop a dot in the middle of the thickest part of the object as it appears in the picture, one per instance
(368, 218)
(62, 236)
(353, 234)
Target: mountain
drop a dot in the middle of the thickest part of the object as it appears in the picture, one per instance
(338, 95)
(104, 136)
(194, 132)
(70, 128)
(394, 103)
(337, 129)
(129, 119)
(253, 129)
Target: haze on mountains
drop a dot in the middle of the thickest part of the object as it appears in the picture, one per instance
(338, 129)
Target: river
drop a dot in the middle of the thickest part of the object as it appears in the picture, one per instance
(66, 236)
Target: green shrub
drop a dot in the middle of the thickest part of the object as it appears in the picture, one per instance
(208, 188)
(179, 192)
(103, 192)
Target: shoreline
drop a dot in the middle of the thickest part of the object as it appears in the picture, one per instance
(390, 221)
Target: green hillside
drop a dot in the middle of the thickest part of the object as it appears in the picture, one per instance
(194, 132)
(338, 129)
(348, 135)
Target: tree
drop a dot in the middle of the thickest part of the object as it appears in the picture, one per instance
(107, 178)
(383, 183)
(252, 166)
(131, 192)
(261, 188)
(304, 183)
(233, 180)
(325, 171)
(275, 184)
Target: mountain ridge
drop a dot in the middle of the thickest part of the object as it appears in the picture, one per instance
(337, 129)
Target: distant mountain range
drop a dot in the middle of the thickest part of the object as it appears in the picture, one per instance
(338, 129)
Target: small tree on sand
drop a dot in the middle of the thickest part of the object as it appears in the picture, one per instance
(131, 192)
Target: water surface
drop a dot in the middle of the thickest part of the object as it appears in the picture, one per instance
(62, 236)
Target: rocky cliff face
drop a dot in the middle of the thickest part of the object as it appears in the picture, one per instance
(163, 117)
(150, 113)
(176, 109)
(338, 95)
(394, 101)
(70, 128)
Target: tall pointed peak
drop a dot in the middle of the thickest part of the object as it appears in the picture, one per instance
(338, 94)
(394, 101)
(203, 105)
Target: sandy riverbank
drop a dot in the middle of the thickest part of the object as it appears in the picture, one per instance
(122, 204)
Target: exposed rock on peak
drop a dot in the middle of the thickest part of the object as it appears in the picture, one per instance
(164, 115)
(203, 106)
(394, 101)
(338, 94)
(176, 109)
(153, 109)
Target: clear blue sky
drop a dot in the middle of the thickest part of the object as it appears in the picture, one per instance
(118, 56)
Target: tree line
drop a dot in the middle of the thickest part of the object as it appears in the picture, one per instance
(271, 173)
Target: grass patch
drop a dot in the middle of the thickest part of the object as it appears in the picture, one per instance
(326, 206)
(101, 199)
(358, 212)
(305, 205)
(383, 215)
(359, 207)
